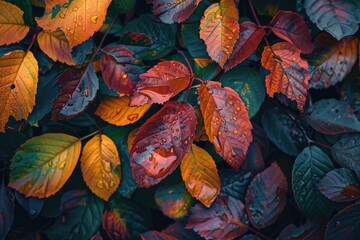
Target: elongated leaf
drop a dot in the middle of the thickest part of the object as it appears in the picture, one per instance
(339, 18)
(43, 164)
(331, 116)
(235, 183)
(170, 11)
(116, 110)
(12, 27)
(200, 175)
(162, 142)
(18, 85)
(289, 73)
(227, 122)
(310, 167)
(6, 211)
(220, 29)
(291, 27)
(160, 83)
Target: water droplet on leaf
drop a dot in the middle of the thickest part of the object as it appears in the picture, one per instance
(94, 19)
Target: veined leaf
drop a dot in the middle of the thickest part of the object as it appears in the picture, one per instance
(170, 11)
(43, 164)
(220, 29)
(116, 110)
(100, 166)
(235, 183)
(200, 175)
(289, 73)
(178, 230)
(12, 27)
(155, 235)
(191, 38)
(6, 211)
(18, 85)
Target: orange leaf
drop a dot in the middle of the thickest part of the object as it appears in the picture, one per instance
(170, 11)
(160, 83)
(12, 28)
(227, 122)
(78, 19)
(116, 110)
(289, 73)
(55, 45)
(18, 85)
(198, 170)
(100, 166)
(220, 29)
(161, 143)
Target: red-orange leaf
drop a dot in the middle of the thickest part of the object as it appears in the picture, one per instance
(289, 73)
(227, 122)
(170, 11)
(160, 83)
(220, 29)
(162, 142)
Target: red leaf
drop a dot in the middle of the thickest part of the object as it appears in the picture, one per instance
(136, 39)
(250, 36)
(227, 122)
(161, 143)
(170, 11)
(266, 196)
(160, 83)
(291, 27)
(118, 69)
(226, 219)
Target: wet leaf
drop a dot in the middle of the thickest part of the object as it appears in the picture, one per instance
(235, 183)
(6, 211)
(170, 11)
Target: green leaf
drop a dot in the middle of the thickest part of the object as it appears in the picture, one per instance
(124, 6)
(234, 183)
(310, 167)
(191, 39)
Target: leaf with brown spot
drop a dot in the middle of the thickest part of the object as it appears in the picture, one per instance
(170, 11)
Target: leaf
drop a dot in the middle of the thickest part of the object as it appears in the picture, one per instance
(6, 211)
(160, 83)
(155, 235)
(250, 237)
(170, 11)
(190, 37)
(116, 110)
(332, 60)
(340, 185)
(220, 29)
(178, 230)
(345, 224)
(43, 164)
(339, 18)
(312, 229)
(56, 46)
(226, 219)
(162, 142)
(254, 160)
(198, 170)
(226, 120)
(124, 6)
(32, 205)
(310, 167)
(265, 201)
(331, 116)
(291, 27)
(78, 90)
(250, 36)
(18, 85)
(80, 216)
(235, 183)
(173, 201)
(288, 72)
(100, 166)
(78, 19)
(12, 27)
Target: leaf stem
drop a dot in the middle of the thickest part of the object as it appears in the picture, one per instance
(90, 135)
(320, 144)
(33, 40)
(187, 62)
(199, 79)
(93, 122)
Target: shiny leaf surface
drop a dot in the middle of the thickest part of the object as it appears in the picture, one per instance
(170, 11)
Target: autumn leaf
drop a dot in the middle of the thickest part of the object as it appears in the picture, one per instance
(43, 164)
(227, 122)
(155, 235)
(100, 166)
(162, 142)
(18, 85)
(160, 83)
(170, 11)
(12, 27)
(289, 73)
(220, 29)
(116, 110)
(78, 19)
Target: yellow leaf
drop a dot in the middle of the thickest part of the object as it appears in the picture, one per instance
(18, 85)
(43, 164)
(116, 110)
(12, 28)
(78, 19)
(55, 45)
(100, 166)
(200, 175)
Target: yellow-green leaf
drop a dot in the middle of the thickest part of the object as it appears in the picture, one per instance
(18, 85)
(43, 164)
(200, 175)
(100, 166)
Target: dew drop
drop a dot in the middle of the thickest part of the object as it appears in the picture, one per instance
(230, 102)
(219, 133)
(112, 184)
(37, 149)
(61, 165)
(185, 142)
(100, 184)
(62, 15)
(301, 97)
(124, 76)
(107, 166)
(94, 19)
(235, 131)
(337, 224)
(72, 31)
(238, 109)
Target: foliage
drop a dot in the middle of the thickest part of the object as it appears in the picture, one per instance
(179, 119)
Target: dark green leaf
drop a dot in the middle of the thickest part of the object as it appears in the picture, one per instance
(124, 6)
(191, 39)
(32, 205)
(234, 183)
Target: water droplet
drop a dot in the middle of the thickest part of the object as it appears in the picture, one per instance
(37, 149)
(301, 97)
(163, 140)
(219, 133)
(75, 8)
(100, 184)
(238, 108)
(171, 150)
(107, 166)
(133, 117)
(185, 142)
(112, 184)
(61, 165)
(72, 31)
(61, 15)
(231, 102)
(94, 19)
(50, 164)
(32, 212)
(217, 119)
(124, 76)
(337, 224)
(235, 131)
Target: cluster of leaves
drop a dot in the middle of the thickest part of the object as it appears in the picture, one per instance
(179, 119)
